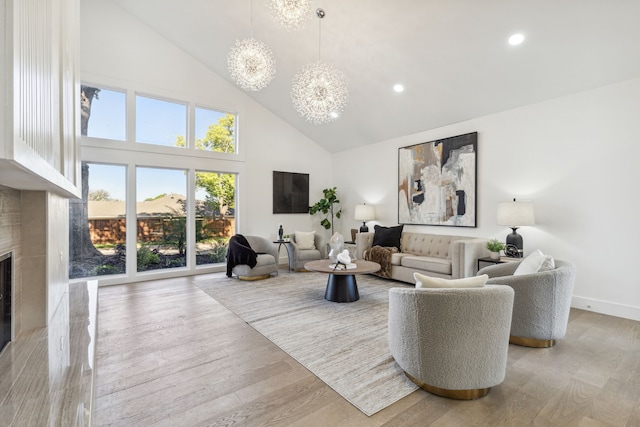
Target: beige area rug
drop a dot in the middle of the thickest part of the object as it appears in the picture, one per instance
(343, 344)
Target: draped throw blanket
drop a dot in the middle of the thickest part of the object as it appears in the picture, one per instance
(240, 253)
(381, 255)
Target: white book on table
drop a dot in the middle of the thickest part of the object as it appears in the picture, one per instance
(343, 266)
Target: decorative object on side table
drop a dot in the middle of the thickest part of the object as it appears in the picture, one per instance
(514, 215)
(364, 213)
(280, 232)
(495, 246)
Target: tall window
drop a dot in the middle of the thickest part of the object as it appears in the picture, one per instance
(215, 215)
(98, 223)
(161, 211)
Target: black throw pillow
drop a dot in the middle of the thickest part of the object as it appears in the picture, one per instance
(387, 236)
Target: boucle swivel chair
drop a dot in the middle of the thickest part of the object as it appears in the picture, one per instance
(266, 260)
(542, 301)
(452, 342)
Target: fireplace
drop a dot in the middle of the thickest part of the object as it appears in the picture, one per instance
(5, 299)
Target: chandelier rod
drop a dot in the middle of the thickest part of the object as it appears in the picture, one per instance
(251, 10)
(320, 14)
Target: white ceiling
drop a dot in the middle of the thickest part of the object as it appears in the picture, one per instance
(452, 56)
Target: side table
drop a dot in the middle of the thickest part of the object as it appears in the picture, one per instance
(280, 243)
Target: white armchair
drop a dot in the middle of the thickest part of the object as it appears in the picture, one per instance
(451, 341)
(298, 256)
(542, 301)
(267, 260)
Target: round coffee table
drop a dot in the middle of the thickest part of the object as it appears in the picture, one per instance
(341, 284)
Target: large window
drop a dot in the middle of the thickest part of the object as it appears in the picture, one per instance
(170, 156)
(215, 215)
(161, 213)
(97, 240)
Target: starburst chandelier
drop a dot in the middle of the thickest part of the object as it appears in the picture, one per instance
(290, 14)
(251, 63)
(319, 91)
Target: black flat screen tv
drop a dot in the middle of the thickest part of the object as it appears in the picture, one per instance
(290, 192)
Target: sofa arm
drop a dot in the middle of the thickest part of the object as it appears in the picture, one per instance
(363, 244)
(464, 256)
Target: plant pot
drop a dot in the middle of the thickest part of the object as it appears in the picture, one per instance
(495, 255)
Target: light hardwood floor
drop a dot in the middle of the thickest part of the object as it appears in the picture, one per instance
(168, 354)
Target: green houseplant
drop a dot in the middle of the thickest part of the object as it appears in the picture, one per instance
(329, 207)
(495, 246)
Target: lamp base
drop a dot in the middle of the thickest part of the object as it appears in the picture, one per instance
(364, 228)
(515, 240)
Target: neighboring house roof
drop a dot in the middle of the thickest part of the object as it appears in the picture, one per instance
(168, 204)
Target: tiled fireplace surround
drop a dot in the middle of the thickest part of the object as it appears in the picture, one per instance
(47, 371)
(33, 226)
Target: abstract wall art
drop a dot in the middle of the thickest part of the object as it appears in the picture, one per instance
(437, 182)
(290, 192)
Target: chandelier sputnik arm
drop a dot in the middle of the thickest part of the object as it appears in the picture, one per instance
(251, 63)
(319, 91)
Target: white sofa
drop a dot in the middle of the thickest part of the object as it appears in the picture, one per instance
(449, 257)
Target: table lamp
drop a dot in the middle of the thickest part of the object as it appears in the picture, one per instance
(515, 214)
(364, 213)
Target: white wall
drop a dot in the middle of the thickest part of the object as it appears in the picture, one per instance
(575, 157)
(118, 50)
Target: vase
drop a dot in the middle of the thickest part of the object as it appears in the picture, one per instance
(495, 255)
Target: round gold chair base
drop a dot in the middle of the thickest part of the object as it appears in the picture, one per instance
(451, 394)
(252, 278)
(301, 270)
(531, 342)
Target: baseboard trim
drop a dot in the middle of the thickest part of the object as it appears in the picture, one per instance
(606, 307)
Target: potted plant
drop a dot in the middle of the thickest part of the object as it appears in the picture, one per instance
(329, 206)
(495, 246)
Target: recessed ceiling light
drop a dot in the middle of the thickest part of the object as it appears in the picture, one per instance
(516, 39)
(398, 88)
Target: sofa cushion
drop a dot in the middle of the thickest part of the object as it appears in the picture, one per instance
(396, 258)
(433, 245)
(423, 281)
(534, 263)
(387, 236)
(427, 263)
(305, 239)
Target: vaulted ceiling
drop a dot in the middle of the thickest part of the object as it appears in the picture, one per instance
(452, 56)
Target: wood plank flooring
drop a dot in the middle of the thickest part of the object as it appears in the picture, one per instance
(169, 355)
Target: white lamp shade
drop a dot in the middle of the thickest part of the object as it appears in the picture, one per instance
(515, 214)
(364, 213)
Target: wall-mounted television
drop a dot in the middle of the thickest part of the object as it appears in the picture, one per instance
(290, 192)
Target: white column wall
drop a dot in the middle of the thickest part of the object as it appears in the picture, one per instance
(575, 157)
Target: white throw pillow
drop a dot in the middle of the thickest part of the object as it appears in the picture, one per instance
(304, 239)
(423, 281)
(535, 262)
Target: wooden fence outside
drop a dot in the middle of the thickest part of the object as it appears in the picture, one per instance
(113, 230)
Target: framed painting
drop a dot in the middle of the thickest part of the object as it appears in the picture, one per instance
(290, 192)
(437, 182)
